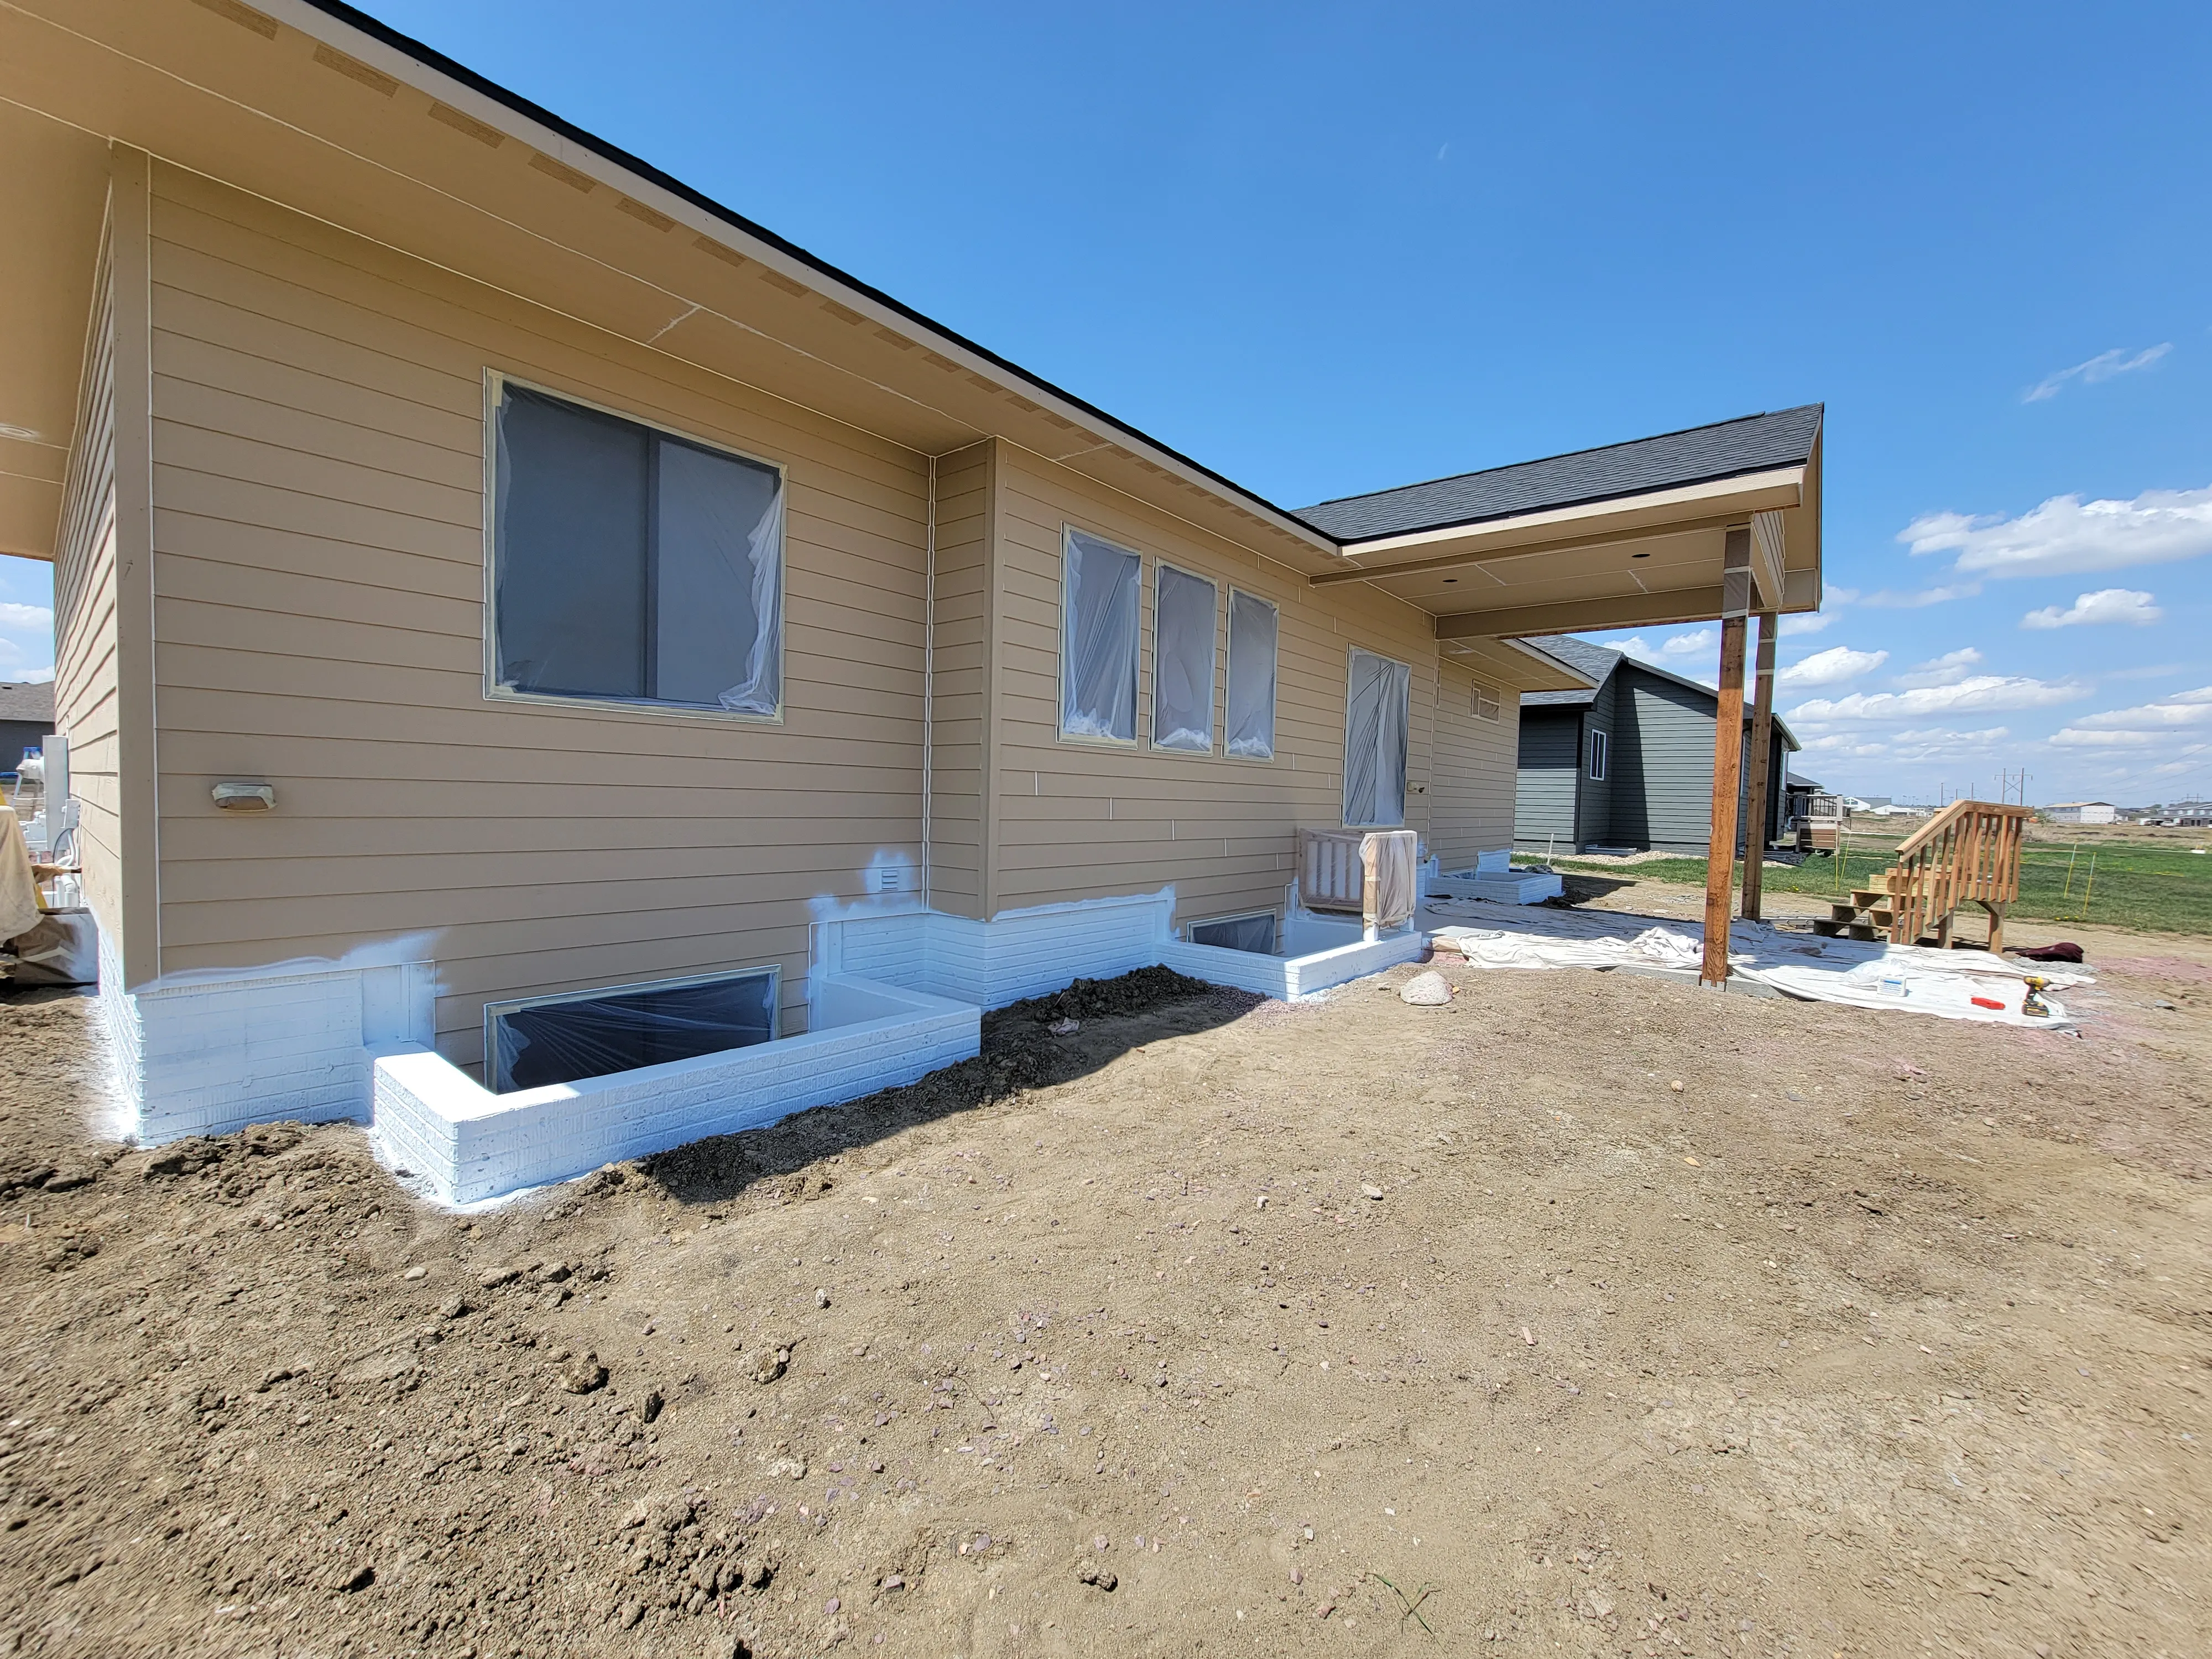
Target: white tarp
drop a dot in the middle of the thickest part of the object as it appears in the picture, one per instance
(19, 888)
(1866, 975)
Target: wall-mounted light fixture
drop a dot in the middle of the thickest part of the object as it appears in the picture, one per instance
(245, 796)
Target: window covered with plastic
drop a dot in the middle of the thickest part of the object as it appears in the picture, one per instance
(1377, 695)
(1098, 626)
(1185, 616)
(1487, 705)
(631, 565)
(565, 1039)
(1249, 730)
(1254, 933)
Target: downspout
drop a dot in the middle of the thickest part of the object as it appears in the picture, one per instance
(928, 672)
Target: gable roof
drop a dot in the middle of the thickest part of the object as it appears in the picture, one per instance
(34, 703)
(1702, 454)
(1598, 663)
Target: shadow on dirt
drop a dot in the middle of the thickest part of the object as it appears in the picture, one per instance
(1021, 1051)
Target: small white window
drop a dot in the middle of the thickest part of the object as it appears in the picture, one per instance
(1377, 713)
(1099, 598)
(1485, 703)
(631, 565)
(1248, 731)
(1186, 616)
(1601, 754)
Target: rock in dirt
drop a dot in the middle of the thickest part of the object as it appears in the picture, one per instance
(1369, 1189)
(771, 1361)
(1429, 990)
(1098, 1576)
(583, 1376)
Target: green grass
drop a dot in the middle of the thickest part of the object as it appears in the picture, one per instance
(2157, 886)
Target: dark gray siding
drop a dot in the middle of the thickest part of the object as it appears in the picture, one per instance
(16, 735)
(1662, 763)
(1544, 787)
(1594, 822)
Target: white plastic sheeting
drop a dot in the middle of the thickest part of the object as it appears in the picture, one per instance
(1854, 971)
(1099, 606)
(597, 1034)
(718, 581)
(1377, 693)
(1250, 729)
(1185, 622)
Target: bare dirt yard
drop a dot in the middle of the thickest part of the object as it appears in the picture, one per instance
(1586, 1314)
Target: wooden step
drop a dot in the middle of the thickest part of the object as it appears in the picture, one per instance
(1862, 930)
(1829, 928)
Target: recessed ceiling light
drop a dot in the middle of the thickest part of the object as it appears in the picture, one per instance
(1639, 555)
(1451, 578)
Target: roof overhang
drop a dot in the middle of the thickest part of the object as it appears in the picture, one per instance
(1513, 666)
(1650, 559)
(322, 110)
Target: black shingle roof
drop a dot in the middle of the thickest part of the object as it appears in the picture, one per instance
(1700, 455)
(23, 701)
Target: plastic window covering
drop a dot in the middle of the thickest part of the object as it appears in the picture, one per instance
(1378, 701)
(631, 565)
(1249, 730)
(1185, 616)
(565, 1039)
(1253, 934)
(1098, 628)
(1487, 702)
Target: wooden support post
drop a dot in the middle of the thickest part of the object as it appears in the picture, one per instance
(1757, 808)
(1728, 757)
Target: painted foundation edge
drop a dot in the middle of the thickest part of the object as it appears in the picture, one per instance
(434, 1120)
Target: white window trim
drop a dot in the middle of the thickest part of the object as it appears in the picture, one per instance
(515, 1005)
(1600, 755)
(1275, 709)
(1221, 698)
(1083, 740)
(1497, 702)
(496, 382)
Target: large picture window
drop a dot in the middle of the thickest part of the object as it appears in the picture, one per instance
(1377, 711)
(1186, 614)
(1248, 729)
(631, 565)
(1099, 600)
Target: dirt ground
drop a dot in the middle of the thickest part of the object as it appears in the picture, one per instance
(1587, 1314)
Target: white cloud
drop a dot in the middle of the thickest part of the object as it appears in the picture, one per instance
(2102, 366)
(1975, 693)
(1833, 667)
(34, 675)
(15, 615)
(1808, 621)
(2066, 533)
(1947, 669)
(1890, 599)
(2107, 605)
(2143, 726)
(1923, 743)
(1669, 653)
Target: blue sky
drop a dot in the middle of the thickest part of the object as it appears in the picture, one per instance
(1327, 250)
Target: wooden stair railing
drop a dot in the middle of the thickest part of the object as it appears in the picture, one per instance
(1968, 853)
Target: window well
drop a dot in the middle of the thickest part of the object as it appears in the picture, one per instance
(1254, 933)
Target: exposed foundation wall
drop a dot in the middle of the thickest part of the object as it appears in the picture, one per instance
(87, 701)
(318, 433)
(1471, 810)
(1078, 820)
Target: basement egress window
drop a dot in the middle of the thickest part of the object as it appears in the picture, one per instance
(631, 565)
(1185, 609)
(1248, 731)
(537, 1041)
(1099, 598)
(1376, 713)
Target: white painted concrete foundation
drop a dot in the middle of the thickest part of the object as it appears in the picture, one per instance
(891, 997)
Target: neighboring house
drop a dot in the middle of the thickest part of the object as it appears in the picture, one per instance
(1627, 762)
(27, 714)
(634, 628)
(2082, 812)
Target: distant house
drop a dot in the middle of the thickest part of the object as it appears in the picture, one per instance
(1629, 762)
(2082, 812)
(27, 714)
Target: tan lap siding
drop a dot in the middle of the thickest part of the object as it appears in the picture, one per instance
(1476, 764)
(86, 700)
(959, 678)
(1082, 820)
(319, 427)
